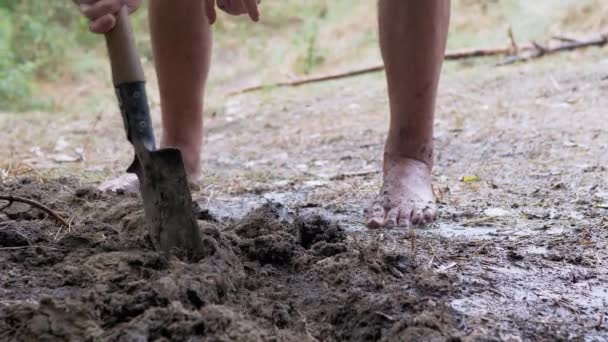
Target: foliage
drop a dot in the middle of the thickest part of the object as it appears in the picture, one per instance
(48, 40)
(35, 37)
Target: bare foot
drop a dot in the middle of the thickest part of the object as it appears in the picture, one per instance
(130, 184)
(126, 183)
(407, 195)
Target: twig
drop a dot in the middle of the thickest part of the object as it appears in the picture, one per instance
(12, 199)
(6, 206)
(513, 41)
(478, 221)
(565, 39)
(481, 248)
(413, 241)
(539, 51)
(61, 228)
(343, 176)
(602, 314)
(386, 316)
(26, 247)
(452, 55)
(534, 51)
(432, 257)
(309, 80)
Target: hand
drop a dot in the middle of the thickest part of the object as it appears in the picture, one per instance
(102, 13)
(233, 7)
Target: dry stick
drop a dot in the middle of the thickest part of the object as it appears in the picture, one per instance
(540, 51)
(454, 55)
(343, 176)
(565, 39)
(26, 247)
(514, 46)
(12, 199)
(536, 50)
(602, 314)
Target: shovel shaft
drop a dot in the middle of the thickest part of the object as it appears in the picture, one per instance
(129, 81)
(126, 66)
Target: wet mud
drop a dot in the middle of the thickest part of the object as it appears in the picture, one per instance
(269, 276)
(274, 274)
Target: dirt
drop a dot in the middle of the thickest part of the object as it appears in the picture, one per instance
(271, 275)
(518, 254)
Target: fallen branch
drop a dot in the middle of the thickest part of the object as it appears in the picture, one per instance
(49, 211)
(343, 176)
(569, 44)
(454, 55)
(518, 53)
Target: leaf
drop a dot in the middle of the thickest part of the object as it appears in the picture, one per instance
(471, 179)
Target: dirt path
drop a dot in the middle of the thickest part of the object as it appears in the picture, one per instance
(519, 252)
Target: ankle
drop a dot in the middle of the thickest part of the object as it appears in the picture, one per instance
(191, 154)
(418, 151)
(391, 162)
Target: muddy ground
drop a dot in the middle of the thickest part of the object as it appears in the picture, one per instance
(519, 253)
(272, 275)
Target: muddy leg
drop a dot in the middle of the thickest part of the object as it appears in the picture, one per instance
(412, 39)
(181, 40)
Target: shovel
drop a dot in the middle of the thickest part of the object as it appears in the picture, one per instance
(162, 177)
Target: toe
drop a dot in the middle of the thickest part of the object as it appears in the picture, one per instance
(405, 217)
(376, 216)
(392, 217)
(429, 215)
(417, 216)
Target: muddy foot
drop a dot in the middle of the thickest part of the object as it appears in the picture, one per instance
(130, 184)
(406, 197)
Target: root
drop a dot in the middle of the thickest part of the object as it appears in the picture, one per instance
(49, 211)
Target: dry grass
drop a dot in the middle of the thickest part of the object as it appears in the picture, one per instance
(247, 53)
(583, 17)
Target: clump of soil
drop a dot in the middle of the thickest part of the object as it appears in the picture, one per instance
(266, 277)
(316, 229)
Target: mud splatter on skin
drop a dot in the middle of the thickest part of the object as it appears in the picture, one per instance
(266, 277)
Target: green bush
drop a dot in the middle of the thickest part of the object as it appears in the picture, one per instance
(35, 37)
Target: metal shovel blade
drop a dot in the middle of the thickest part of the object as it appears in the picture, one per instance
(167, 202)
(162, 179)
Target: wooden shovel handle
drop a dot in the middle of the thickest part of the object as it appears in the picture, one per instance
(124, 58)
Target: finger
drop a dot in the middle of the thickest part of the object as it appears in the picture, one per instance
(252, 9)
(104, 24)
(210, 11)
(224, 4)
(376, 216)
(133, 5)
(101, 8)
(84, 2)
